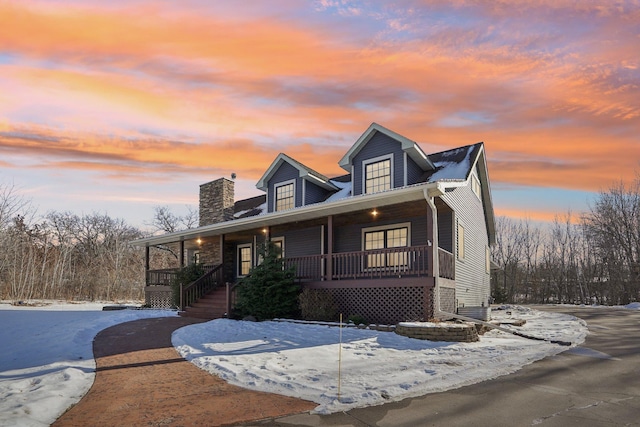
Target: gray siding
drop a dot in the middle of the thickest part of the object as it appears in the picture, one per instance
(285, 172)
(313, 193)
(301, 242)
(379, 145)
(445, 230)
(413, 171)
(472, 280)
(349, 238)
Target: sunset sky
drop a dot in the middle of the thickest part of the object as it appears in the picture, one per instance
(116, 107)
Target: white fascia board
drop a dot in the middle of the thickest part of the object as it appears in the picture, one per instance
(410, 147)
(318, 210)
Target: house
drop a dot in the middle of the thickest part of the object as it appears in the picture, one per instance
(401, 236)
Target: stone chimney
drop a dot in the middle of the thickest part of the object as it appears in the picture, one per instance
(216, 201)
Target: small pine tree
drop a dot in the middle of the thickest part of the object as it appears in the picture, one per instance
(269, 290)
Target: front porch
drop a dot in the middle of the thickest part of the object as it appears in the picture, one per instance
(381, 285)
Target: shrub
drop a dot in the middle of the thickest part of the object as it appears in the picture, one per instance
(269, 290)
(358, 319)
(317, 305)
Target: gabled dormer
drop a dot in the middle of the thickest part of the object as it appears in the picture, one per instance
(382, 160)
(290, 184)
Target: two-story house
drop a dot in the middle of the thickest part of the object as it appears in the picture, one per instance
(401, 236)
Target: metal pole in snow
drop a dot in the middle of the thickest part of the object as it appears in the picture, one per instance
(340, 358)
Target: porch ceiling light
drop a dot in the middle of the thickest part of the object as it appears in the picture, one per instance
(374, 213)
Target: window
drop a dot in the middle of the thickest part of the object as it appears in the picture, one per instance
(460, 240)
(381, 238)
(244, 259)
(377, 176)
(285, 196)
(278, 242)
(475, 186)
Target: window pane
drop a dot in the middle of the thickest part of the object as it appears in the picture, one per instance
(374, 240)
(245, 260)
(378, 176)
(284, 197)
(397, 237)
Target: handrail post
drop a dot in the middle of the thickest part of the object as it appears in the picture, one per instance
(181, 298)
(228, 305)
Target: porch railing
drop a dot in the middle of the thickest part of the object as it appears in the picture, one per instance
(379, 263)
(164, 277)
(195, 290)
(446, 262)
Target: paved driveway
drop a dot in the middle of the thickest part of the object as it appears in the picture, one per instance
(595, 384)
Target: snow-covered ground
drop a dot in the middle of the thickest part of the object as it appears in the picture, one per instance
(47, 365)
(46, 361)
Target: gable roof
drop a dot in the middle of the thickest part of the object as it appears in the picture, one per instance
(408, 146)
(453, 165)
(305, 172)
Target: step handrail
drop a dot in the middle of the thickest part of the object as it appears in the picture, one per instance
(201, 286)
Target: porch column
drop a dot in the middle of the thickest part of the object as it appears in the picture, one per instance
(146, 265)
(330, 247)
(181, 253)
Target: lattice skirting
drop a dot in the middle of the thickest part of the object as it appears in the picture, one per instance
(448, 299)
(385, 305)
(158, 296)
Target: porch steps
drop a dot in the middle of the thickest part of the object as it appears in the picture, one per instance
(210, 306)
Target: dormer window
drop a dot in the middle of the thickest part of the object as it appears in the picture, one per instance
(377, 175)
(285, 196)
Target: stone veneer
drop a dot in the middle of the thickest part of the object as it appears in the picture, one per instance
(216, 201)
(443, 331)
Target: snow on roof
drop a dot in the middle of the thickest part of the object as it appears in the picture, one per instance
(343, 192)
(453, 164)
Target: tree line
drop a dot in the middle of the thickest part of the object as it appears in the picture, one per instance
(591, 258)
(75, 257)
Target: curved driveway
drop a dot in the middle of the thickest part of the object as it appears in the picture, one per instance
(594, 384)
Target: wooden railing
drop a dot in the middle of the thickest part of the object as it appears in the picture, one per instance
(380, 263)
(446, 262)
(195, 290)
(164, 277)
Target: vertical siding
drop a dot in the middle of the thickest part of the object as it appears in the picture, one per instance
(285, 172)
(472, 280)
(379, 145)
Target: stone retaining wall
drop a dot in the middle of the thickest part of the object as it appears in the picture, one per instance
(457, 332)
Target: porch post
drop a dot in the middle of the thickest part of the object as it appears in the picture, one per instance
(181, 253)
(330, 247)
(146, 265)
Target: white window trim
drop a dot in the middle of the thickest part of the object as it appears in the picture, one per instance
(460, 256)
(476, 181)
(376, 160)
(488, 259)
(239, 266)
(275, 193)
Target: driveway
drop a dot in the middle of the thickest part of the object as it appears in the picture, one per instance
(595, 384)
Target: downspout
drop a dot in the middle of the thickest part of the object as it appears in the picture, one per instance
(430, 193)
